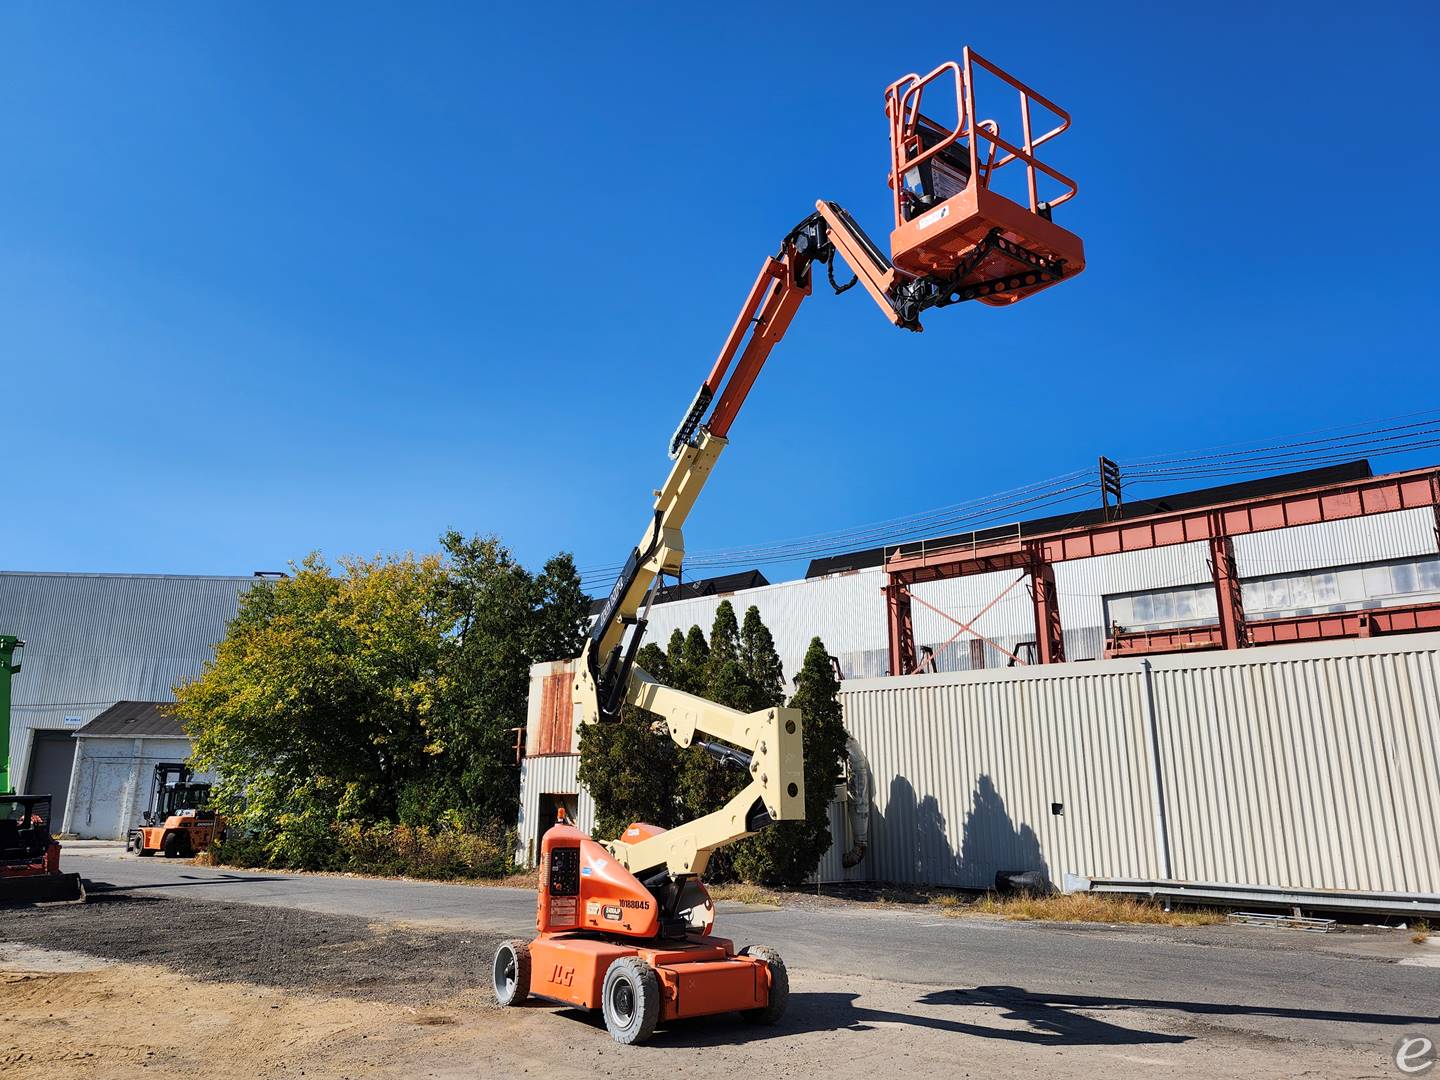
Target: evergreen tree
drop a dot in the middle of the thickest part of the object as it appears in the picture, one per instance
(761, 662)
(689, 673)
(705, 785)
(787, 852)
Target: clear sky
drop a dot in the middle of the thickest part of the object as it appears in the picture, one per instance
(280, 277)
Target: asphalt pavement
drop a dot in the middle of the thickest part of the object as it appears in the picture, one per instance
(1357, 988)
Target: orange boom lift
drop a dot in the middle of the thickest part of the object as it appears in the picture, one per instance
(625, 926)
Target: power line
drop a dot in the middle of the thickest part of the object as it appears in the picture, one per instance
(1342, 443)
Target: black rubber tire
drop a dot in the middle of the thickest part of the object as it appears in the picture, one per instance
(173, 845)
(143, 852)
(510, 972)
(630, 1000)
(779, 985)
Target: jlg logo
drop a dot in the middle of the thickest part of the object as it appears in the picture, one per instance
(563, 976)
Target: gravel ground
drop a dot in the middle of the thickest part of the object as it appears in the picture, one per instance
(281, 948)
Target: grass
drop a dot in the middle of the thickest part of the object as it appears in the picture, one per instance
(1422, 931)
(1088, 908)
(1073, 908)
(738, 892)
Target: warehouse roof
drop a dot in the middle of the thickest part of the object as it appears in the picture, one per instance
(1184, 500)
(135, 719)
(720, 585)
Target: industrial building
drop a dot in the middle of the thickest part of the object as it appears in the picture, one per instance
(1135, 598)
(1075, 622)
(102, 652)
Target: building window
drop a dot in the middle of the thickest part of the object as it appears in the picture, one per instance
(1343, 588)
(1163, 609)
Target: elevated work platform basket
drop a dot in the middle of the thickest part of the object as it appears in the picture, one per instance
(950, 221)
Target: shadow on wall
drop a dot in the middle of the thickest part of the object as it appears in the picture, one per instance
(920, 850)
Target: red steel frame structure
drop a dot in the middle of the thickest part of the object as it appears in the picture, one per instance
(1215, 525)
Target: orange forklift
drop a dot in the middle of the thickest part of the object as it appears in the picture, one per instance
(178, 821)
(625, 926)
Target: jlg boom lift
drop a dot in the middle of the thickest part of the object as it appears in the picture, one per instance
(625, 926)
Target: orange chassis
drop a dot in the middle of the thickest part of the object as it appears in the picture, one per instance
(700, 976)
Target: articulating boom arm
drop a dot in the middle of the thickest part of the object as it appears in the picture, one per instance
(770, 744)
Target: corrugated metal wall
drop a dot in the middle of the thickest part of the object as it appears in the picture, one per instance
(551, 775)
(1317, 769)
(848, 610)
(95, 639)
(1306, 767)
(970, 771)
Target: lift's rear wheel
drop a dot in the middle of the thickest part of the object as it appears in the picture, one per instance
(511, 973)
(630, 1000)
(779, 986)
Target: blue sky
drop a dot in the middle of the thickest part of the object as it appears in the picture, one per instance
(277, 278)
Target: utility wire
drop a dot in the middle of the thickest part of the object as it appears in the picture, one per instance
(1339, 444)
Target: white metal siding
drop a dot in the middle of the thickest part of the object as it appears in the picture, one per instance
(1308, 767)
(848, 610)
(1403, 534)
(550, 775)
(967, 768)
(111, 781)
(1314, 769)
(95, 639)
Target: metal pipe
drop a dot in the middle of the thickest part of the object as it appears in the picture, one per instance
(1157, 782)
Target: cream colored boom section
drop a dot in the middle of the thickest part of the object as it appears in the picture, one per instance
(773, 739)
(673, 504)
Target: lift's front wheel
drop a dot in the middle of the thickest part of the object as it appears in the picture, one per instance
(630, 1000)
(511, 973)
(779, 997)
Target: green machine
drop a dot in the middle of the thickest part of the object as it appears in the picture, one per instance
(29, 854)
(10, 649)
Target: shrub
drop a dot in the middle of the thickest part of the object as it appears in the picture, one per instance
(386, 850)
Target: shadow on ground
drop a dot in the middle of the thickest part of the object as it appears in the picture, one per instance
(1048, 1019)
(103, 887)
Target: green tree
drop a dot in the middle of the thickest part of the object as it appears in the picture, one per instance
(690, 661)
(760, 661)
(705, 785)
(504, 620)
(636, 774)
(787, 852)
(318, 702)
(383, 691)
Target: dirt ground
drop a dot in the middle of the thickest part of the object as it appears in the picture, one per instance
(175, 988)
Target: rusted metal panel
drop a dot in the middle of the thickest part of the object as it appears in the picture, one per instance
(550, 717)
(555, 714)
(1373, 495)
